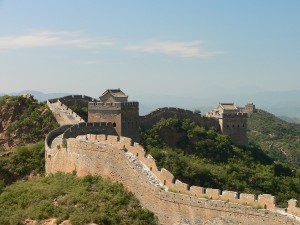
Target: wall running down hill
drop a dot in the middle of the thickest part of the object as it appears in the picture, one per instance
(63, 114)
(174, 202)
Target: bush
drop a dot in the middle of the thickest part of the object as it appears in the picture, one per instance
(64, 196)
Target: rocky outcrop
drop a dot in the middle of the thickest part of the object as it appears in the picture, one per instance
(22, 121)
(10, 108)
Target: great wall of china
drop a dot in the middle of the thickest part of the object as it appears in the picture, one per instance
(68, 149)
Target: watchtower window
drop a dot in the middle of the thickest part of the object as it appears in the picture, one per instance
(114, 124)
(243, 125)
(227, 126)
(238, 125)
(232, 125)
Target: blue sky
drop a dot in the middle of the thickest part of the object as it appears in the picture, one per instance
(169, 47)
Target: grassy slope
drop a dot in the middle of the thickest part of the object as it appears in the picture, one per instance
(64, 196)
(277, 138)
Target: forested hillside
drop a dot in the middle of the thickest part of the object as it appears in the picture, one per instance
(23, 120)
(26, 195)
(206, 158)
(278, 138)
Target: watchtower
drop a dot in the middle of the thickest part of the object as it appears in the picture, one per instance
(114, 108)
(232, 122)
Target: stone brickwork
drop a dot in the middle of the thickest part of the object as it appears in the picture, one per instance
(115, 109)
(63, 114)
(89, 128)
(69, 100)
(152, 118)
(119, 159)
(232, 122)
(235, 126)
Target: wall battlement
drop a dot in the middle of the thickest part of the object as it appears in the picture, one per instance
(169, 182)
(170, 194)
(104, 106)
(152, 118)
(111, 105)
(91, 128)
(73, 97)
(129, 104)
(236, 115)
(63, 114)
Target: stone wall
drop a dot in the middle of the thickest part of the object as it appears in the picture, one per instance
(69, 100)
(235, 126)
(149, 120)
(54, 133)
(63, 114)
(89, 128)
(119, 159)
(130, 120)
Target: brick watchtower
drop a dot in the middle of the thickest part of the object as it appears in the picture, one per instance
(114, 108)
(232, 122)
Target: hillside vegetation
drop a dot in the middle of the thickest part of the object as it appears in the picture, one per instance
(26, 195)
(206, 158)
(23, 120)
(67, 197)
(278, 138)
(24, 161)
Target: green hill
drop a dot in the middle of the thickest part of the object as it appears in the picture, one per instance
(278, 138)
(24, 123)
(23, 120)
(206, 158)
(67, 197)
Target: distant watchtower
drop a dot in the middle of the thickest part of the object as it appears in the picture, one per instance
(114, 108)
(232, 122)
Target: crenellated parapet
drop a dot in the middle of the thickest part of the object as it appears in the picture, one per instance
(168, 181)
(63, 114)
(89, 128)
(168, 197)
(152, 118)
(235, 116)
(112, 105)
(104, 106)
(68, 100)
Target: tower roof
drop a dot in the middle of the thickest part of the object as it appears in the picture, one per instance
(228, 106)
(115, 92)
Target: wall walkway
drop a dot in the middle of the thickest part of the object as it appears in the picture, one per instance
(63, 114)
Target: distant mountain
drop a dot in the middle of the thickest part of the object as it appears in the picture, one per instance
(40, 96)
(290, 119)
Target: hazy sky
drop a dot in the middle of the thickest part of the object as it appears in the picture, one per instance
(165, 47)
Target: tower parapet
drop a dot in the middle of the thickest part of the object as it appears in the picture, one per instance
(232, 122)
(114, 108)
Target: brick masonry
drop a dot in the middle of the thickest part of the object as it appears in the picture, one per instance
(105, 156)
